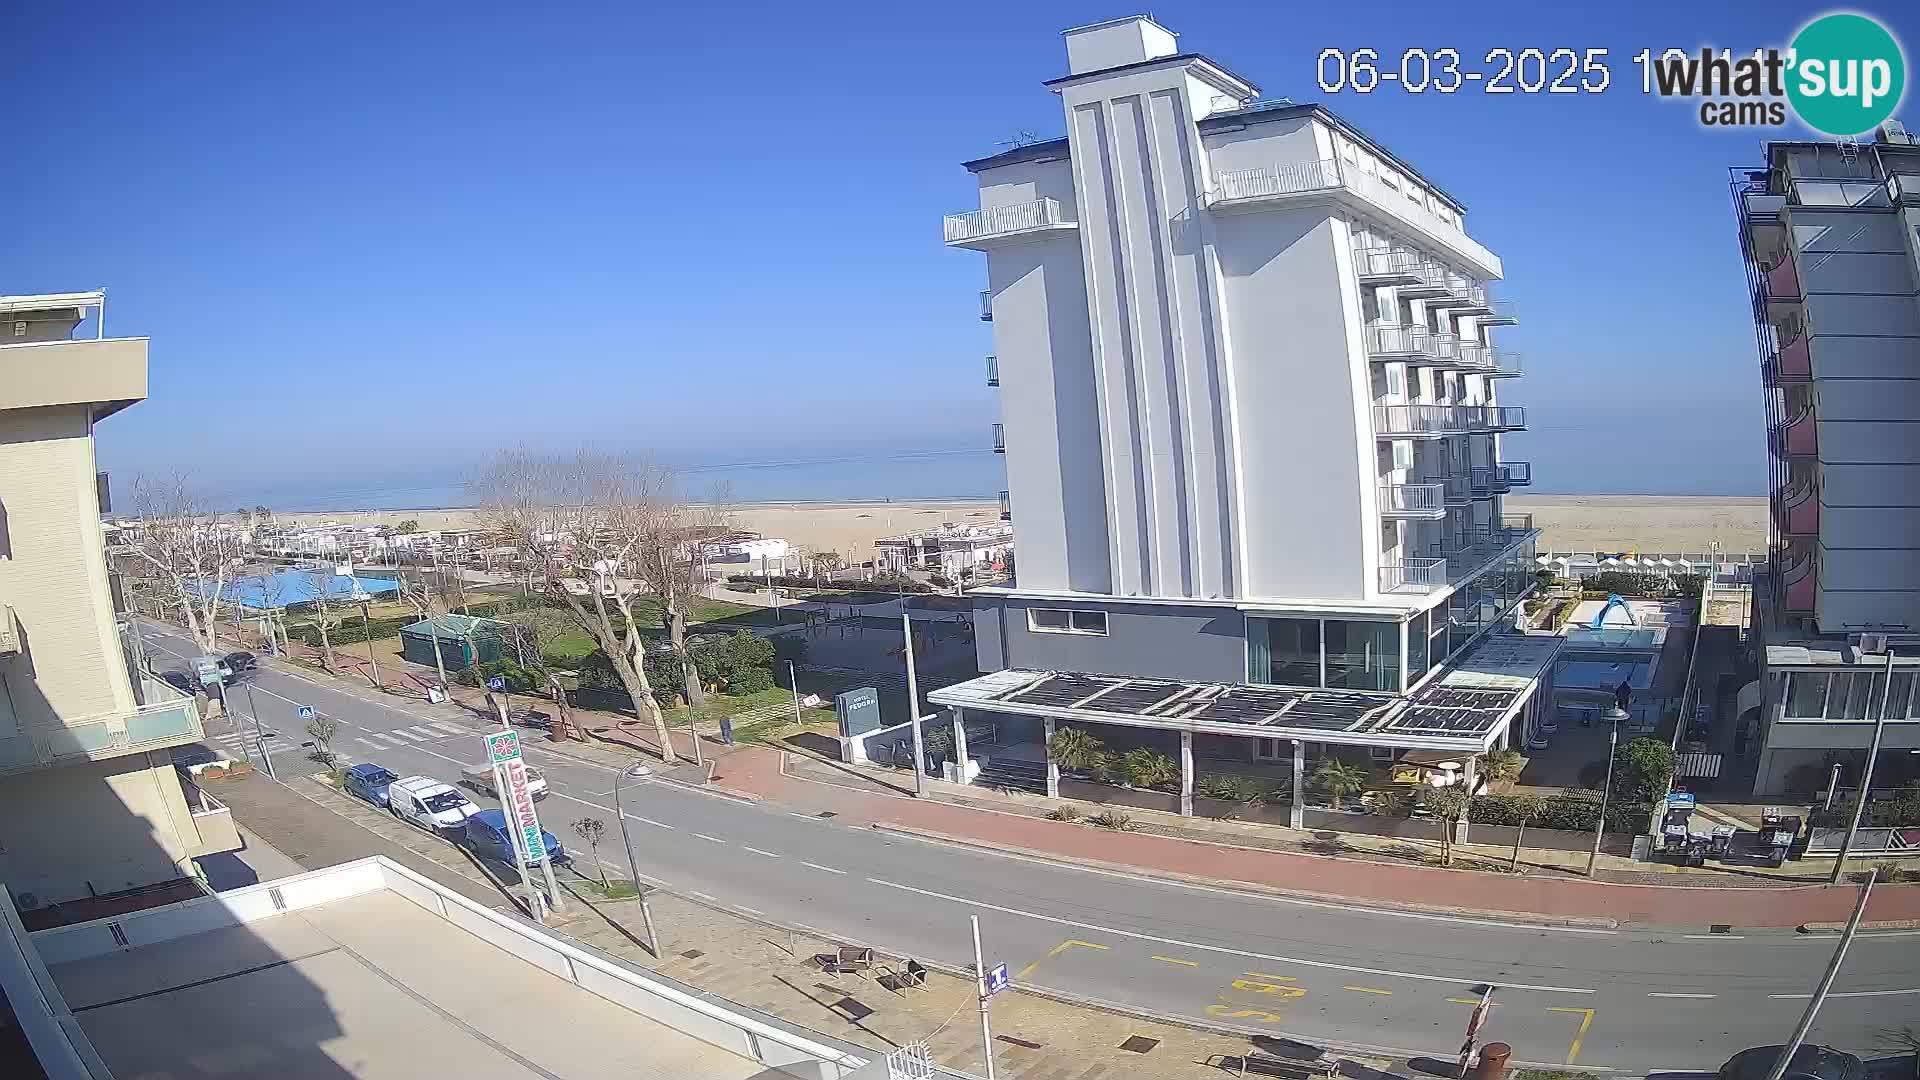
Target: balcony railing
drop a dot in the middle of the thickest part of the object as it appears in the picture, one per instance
(994, 223)
(1517, 473)
(1389, 266)
(986, 305)
(993, 371)
(1413, 575)
(1413, 500)
(1487, 481)
(1006, 506)
(1416, 344)
(1415, 420)
(1455, 490)
(999, 438)
(1284, 179)
(1500, 312)
(1489, 361)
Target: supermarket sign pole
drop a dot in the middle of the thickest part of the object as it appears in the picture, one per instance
(516, 798)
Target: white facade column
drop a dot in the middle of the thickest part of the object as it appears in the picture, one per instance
(960, 746)
(1460, 830)
(1297, 814)
(1186, 774)
(1053, 768)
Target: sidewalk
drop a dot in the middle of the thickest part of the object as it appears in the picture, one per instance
(759, 772)
(755, 963)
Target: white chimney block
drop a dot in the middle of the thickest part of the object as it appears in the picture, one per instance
(1117, 42)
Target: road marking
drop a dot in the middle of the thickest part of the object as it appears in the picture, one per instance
(1281, 978)
(1688, 996)
(1848, 994)
(1468, 981)
(1245, 894)
(1231, 1013)
(748, 910)
(1716, 937)
(450, 729)
(757, 851)
(1176, 960)
(370, 742)
(1070, 943)
(1586, 1021)
(802, 817)
(1253, 987)
(828, 869)
(655, 824)
(1366, 990)
(1474, 1001)
(411, 734)
(704, 896)
(704, 836)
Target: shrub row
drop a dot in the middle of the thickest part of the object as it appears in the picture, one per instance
(893, 583)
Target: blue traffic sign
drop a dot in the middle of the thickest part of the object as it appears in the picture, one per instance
(306, 712)
(997, 979)
(497, 684)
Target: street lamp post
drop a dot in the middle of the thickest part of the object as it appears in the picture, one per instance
(793, 682)
(1866, 776)
(259, 735)
(1615, 714)
(636, 771)
(366, 632)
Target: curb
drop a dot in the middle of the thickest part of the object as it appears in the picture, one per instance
(1533, 918)
(1837, 927)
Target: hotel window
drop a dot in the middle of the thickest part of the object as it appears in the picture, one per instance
(1363, 655)
(1293, 652)
(1066, 621)
(1807, 694)
(1416, 648)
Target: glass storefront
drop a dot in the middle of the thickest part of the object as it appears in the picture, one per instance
(1363, 655)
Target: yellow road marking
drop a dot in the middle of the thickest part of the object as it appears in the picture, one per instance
(1056, 951)
(1474, 1001)
(1175, 960)
(1586, 1021)
(1275, 978)
(1268, 988)
(1366, 990)
(1231, 1013)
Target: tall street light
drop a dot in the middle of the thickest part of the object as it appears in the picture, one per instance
(1866, 777)
(1615, 714)
(639, 770)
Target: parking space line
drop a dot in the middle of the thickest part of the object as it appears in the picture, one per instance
(1689, 996)
(1070, 943)
(1367, 990)
(1586, 1021)
(1847, 994)
(1177, 960)
(1264, 975)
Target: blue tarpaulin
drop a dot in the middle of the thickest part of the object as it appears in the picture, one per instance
(289, 588)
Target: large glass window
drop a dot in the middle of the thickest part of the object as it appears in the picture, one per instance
(1293, 648)
(1416, 648)
(1807, 694)
(1363, 655)
(1439, 646)
(1852, 696)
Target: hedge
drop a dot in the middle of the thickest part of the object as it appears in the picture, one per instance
(737, 663)
(1571, 811)
(881, 583)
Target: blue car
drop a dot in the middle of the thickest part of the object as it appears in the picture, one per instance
(486, 836)
(369, 782)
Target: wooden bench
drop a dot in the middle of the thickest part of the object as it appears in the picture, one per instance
(1254, 1064)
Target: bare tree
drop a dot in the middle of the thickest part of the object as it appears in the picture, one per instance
(323, 612)
(580, 520)
(535, 632)
(187, 550)
(420, 598)
(669, 565)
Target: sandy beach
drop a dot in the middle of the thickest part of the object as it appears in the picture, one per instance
(1679, 523)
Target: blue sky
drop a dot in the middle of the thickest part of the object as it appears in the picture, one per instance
(370, 243)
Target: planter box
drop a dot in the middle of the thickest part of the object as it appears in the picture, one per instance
(1110, 795)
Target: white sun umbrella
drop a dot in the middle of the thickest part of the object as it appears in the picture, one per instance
(1611, 560)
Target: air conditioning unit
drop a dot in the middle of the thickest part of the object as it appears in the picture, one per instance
(9, 633)
(1871, 644)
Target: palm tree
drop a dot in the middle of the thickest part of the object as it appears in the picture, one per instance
(1339, 780)
(1501, 765)
(1073, 748)
(1144, 768)
(1447, 804)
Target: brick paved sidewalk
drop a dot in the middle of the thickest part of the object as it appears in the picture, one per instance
(757, 771)
(754, 963)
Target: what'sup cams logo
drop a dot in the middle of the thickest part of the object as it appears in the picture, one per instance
(1843, 75)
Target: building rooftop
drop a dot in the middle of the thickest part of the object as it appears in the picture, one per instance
(367, 969)
(52, 301)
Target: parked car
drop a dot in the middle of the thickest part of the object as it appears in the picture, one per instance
(238, 664)
(1809, 1062)
(370, 782)
(480, 778)
(430, 804)
(181, 681)
(486, 836)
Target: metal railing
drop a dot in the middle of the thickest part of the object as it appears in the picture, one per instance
(1488, 360)
(1297, 177)
(1290, 178)
(1516, 473)
(993, 371)
(1500, 311)
(1006, 506)
(999, 438)
(1005, 220)
(1412, 498)
(986, 305)
(1447, 419)
(1455, 489)
(1413, 575)
(1487, 480)
(1516, 522)
(1388, 262)
(1412, 341)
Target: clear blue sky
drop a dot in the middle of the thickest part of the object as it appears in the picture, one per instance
(388, 239)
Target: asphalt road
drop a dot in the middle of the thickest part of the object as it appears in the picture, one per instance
(1634, 1001)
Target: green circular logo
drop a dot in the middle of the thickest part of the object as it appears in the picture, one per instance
(1848, 74)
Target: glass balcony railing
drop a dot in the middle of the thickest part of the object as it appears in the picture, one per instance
(986, 305)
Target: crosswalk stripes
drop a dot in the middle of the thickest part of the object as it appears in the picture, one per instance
(445, 728)
(408, 734)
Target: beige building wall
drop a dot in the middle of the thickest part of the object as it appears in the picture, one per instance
(53, 573)
(94, 827)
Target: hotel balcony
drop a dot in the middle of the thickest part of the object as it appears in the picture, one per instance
(996, 226)
(1798, 437)
(1435, 421)
(1797, 512)
(1780, 280)
(999, 438)
(1413, 501)
(1489, 361)
(1500, 312)
(1462, 295)
(1517, 473)
(986, 305)
(1331, 179)
(1413, 575)
(1800, 583)
(1391, 266)
(1006, 506)
(169, 719)
(993, 371)
(1486, 481)
(1412, 344)
(1789, 364)
(1458, 492)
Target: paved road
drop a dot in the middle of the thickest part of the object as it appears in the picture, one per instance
(1628, 1000)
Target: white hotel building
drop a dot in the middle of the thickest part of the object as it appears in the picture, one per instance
(1253, 400)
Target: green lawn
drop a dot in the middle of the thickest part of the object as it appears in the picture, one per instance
(709, 617)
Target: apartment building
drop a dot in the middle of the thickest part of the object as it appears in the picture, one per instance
(1253, 397)
(1833, 267)
(90, 802)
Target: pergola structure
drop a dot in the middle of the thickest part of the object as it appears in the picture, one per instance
(1467, 707)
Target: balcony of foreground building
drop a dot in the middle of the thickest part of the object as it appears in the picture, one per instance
(1780, 281)
(1489, 361)
(1422, 502)
(996, 226)
(1438, 421)
(1486, 481)
(169, 719)
(1516, 473)
(1413, 575)
(1799, 582)
(1006, 506)
(986, 305)
(1457, 490)
(1398, 267)
(1461, 295)
(1791, 363)
(1798, 438)
(993, 371)
(999, 438)
(1331, 179)
(1797, 512)
(1500, 312)
(1413, 345)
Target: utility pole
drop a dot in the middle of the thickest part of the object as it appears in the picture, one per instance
(980, 985)
(793, 682)
(1826, 981)
(366, 633)
(913, 707)
(1866, 777)
(1615, 714)
(259, 734)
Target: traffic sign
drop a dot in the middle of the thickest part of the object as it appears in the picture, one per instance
(306, 712)
(497, 684)
(997, 978)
